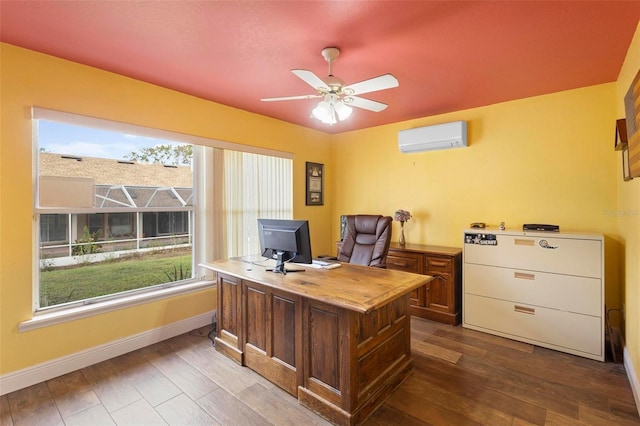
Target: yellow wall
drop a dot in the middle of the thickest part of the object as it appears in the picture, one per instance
(629, 218)
(546, 159)
(32, 79)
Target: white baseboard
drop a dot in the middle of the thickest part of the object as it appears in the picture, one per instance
(48, 370)
(633, 378)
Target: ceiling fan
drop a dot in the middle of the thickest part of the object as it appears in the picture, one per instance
(338, 98)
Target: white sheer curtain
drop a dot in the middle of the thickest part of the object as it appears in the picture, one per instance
(255, 186)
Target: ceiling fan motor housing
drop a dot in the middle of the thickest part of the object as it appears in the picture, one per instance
(330, 53)
(334, 83)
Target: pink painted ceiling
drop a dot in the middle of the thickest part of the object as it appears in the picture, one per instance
(447, 55)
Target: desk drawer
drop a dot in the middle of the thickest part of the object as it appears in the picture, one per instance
(564, 292)
(438, 264)
(566, 331)
(408, 262)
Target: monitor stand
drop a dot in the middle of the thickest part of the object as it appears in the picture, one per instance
(280, 269)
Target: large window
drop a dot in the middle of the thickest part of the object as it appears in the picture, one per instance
(122, 209)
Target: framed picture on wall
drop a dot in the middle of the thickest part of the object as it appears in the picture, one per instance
(315, 184)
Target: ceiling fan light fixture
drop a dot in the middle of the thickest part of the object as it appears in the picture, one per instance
(321, 111)
(324, 112)
(343, 111)
(331, 109)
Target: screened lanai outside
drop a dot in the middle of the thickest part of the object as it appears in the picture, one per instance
(154, 212)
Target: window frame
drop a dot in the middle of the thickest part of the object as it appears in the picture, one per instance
(203, 249)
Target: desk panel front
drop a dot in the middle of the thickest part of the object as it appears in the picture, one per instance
(337, 339)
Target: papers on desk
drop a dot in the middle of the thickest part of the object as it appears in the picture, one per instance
(290, 266)
(320, 264)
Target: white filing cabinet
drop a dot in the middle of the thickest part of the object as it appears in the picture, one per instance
(543, 288)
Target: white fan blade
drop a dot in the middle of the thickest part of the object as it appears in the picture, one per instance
(291, 98)
(386, 81)
(311, 79)
(363, 103)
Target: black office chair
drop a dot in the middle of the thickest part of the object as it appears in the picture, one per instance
(366, 240)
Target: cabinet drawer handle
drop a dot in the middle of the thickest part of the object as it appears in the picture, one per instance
(524, 310)
(403, 264)
(521, 242)
(438, 263)
(524, 276)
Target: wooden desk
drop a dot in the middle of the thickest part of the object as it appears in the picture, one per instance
(338, 339)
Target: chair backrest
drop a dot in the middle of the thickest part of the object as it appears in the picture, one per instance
(366, 240)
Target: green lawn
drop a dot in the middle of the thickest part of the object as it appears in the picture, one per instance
(90, 280)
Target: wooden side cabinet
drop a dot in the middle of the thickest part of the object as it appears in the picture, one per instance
(440, 299)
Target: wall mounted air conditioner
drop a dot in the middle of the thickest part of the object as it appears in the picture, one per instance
(430, 138)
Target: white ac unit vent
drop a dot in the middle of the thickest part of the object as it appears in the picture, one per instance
(430, 138)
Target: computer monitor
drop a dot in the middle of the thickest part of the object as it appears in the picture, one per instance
(287, 240)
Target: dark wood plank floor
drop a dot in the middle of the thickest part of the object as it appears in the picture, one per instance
(461, 377)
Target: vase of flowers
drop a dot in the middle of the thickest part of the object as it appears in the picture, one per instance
(402, 216)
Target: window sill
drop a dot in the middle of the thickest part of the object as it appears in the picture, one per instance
(58, 317)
